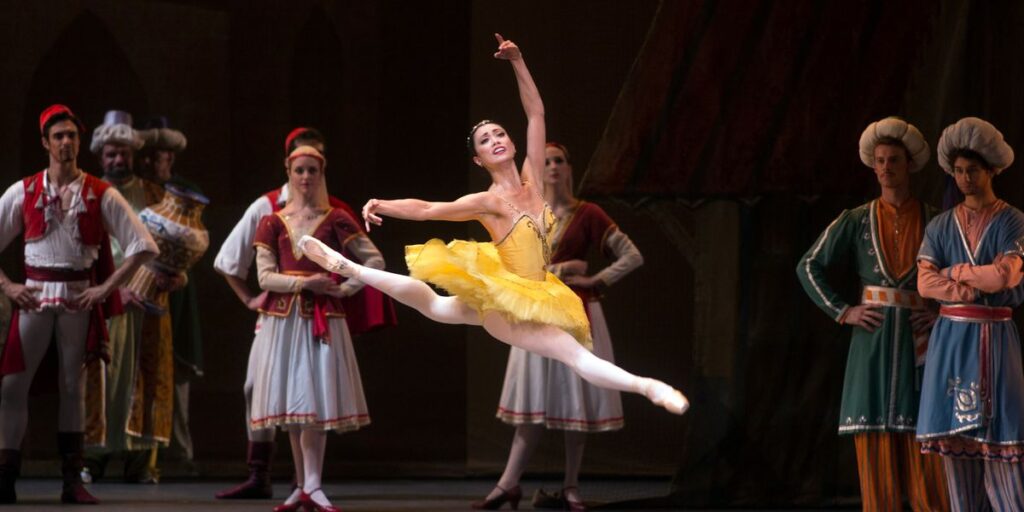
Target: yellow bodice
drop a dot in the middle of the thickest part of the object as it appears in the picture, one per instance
(508, 276)
(525, 250)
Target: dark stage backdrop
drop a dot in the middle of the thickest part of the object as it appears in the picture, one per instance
(737, 131)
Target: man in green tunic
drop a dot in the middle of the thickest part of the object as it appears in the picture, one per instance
(890, 324)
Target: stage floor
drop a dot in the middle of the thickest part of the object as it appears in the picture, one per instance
(352, 496)
(369, 496)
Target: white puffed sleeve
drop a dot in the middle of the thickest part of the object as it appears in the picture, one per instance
(236, 254)
(123, 223)
(10, 213)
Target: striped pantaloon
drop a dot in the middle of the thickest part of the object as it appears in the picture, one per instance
(889, 461)
(978, 485)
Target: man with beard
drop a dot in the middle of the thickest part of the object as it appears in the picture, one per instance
(972, 395)
(71, 285)
(890, 325)
(115, 142)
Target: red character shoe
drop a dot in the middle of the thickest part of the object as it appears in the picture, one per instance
(512, 496)
(312, 506)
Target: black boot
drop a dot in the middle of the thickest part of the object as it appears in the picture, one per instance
(69, 445)
(95, 462)
(10, 469)
(257, 486)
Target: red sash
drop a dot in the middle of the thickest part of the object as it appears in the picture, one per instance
(986, 316)
(976, 313)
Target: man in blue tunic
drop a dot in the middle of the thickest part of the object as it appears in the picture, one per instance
(972, 396)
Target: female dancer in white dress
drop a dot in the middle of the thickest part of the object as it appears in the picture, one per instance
(305, 376)
(502, 285)
(541, 392)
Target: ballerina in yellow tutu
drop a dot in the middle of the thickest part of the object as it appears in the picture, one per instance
(501, 285)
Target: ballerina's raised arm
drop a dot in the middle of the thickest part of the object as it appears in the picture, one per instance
(492, 149)
(536, 132)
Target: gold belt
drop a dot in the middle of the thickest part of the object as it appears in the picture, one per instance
(892, 297)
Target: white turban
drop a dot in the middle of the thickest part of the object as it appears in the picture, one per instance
(158, 134)
(976, 135)
(895, 128)
(116, 129)
(164, 138)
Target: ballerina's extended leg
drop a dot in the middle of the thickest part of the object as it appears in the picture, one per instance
(552, 342)
(545, 340)
(411, 292)
(327, 257)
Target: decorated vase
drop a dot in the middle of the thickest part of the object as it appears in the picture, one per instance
(176, 225)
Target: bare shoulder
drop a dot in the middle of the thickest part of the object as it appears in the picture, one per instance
(486, 201)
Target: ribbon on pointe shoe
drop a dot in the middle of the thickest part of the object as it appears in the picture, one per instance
(326, 257)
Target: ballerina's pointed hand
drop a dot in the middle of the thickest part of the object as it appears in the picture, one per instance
(369, 214)
(507, 50)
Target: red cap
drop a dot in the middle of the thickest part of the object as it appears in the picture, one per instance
(292, 135)
(55, 109)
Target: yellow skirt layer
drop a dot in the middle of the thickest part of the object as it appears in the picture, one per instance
(473, 272)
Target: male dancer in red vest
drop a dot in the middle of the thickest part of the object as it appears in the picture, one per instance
(64, 215)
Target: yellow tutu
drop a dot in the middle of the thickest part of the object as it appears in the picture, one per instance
(473, 272)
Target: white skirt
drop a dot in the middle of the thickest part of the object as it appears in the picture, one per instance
(542, 391)
(57, 294)
(301, 381)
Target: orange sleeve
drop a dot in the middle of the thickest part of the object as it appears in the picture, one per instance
(1005, 272)
(933, 285)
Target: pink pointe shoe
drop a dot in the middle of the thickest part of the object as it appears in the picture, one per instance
(666, 396)
(326, 257)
